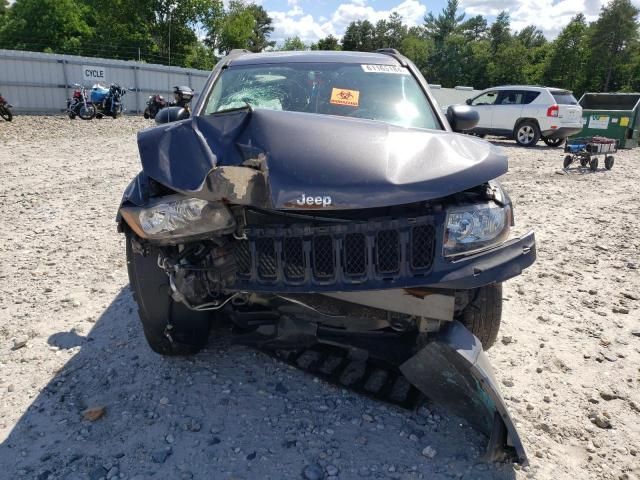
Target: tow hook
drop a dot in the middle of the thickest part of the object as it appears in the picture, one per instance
(167, 332)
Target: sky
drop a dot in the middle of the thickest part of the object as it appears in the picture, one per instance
(314, 19)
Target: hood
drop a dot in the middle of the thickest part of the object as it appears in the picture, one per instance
(289, 160)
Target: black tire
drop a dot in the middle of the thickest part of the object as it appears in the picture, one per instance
(527, 133)
(483, 314)
(593, 164)
(146, 114)
(584, 161)
(156, 308)
(553, 142)
(86, 113)
(608, 162)
(568, 160)
(6, 113)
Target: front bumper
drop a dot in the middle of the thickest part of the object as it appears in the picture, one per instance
(562, 132)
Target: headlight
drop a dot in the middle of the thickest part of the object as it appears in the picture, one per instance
(475, 227)
(176, 216)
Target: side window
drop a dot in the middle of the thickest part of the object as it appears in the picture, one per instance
(530, 97)
(488, 98)
(510, 97)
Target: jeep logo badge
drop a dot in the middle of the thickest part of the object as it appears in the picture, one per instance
(317, 201)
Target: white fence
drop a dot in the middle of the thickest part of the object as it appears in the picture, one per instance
(36, 82)
(41, 82)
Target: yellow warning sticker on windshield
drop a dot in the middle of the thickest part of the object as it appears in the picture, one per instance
(341, 96)
(624, 121)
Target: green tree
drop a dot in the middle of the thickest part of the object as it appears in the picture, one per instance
(328, 43)
(417, 48)
(262, 29)
(390, 33)
(500, 32)
(441, 27)
(612, 38)
(567, 61)
(531, 37)
(475, 28)
(242, 25)
(293, 43)
(359, 37)
(62, 29)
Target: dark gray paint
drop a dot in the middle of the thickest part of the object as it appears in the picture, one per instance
(358, 163)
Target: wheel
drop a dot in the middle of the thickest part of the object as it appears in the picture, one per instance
(156, 308)
(593, 164)
(483, 314)
(86, 112)
(584, 161)
(527, 134)
(6, 113)
(146, 114)
(553, 142)
(608, 162)
(71, 115)
(568, 160)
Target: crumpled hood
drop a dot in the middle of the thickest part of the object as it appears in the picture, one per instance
(282, 160)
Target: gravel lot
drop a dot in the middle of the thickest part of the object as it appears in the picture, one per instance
(568, 358)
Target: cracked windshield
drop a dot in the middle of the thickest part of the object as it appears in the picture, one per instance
(377, 92)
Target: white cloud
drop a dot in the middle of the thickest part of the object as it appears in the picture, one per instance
(295, 23)
(550, 16)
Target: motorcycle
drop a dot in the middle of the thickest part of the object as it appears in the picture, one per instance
(182, 98)
(108, 101)
(155, 103)
(4, 109)
(79, 106)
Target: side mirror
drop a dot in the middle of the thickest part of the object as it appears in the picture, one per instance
(462, 118)
(468, 101)
(171, 114)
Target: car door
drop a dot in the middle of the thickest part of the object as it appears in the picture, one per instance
(483, 104)
(507, 110)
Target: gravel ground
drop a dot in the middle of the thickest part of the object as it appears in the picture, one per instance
(568, 356)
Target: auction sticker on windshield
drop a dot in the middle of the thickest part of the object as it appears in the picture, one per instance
(341, 96)
(385, 69)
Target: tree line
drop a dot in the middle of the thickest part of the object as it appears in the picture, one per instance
(449, 47)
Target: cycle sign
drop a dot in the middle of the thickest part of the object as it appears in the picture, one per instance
(93, 74)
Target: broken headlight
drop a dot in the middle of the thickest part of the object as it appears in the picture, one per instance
(175, 216)
(476, 227)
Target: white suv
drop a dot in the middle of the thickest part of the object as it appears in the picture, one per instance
(527, 114)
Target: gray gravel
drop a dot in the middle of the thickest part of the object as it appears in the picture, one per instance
(70, 341)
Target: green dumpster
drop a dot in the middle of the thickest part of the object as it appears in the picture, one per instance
(612, 115)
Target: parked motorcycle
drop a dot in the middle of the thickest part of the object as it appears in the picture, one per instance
(79, 106)
(155, 103)
(182, 98)
(108, 101)
(4, 109)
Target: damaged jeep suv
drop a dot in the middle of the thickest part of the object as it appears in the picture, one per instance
(323, 198)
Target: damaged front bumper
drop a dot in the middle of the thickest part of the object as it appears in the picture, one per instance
(453, 371)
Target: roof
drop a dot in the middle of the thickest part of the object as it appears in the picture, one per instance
(314, 57)
(528, 87)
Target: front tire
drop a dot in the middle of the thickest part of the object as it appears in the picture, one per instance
(483, 314)
(527, 134)
(87, 113)
(608, 162)
(6, 113)
(156, 309)
(553, 142)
